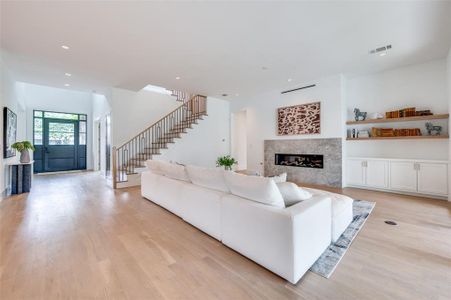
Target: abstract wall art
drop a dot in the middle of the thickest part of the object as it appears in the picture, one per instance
(299, 119)
(9, 132)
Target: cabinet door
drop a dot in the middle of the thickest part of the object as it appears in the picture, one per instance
(355, 172)
(377, 173)
(403, 176)
(433, 178)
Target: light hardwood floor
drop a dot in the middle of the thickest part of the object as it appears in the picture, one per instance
(73, 237)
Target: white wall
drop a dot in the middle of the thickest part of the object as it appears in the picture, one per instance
(38, 97)
(208, 140)
(11, 98)
(422, 86)
(133, 112)
(262, 113)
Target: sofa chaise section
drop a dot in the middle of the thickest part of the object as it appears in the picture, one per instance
(286, 241)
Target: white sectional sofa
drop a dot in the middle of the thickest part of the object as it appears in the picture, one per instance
(285, 240)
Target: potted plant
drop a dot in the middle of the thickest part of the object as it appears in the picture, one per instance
(23, 148)
(226, 161)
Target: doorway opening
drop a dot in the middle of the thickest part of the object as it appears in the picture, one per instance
(108, 146)
(60, 141)
(239, 138)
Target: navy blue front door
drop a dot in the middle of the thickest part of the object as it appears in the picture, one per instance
(60, 147)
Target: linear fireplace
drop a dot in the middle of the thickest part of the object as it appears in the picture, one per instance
(329, 150)
(315, 161)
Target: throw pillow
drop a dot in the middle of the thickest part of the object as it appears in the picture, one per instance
(259, 189)
(292, 194)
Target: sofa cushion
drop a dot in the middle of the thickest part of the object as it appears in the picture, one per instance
(292, 194)
(259, 189)
(173, 171)
(209, 178)
(154, 166)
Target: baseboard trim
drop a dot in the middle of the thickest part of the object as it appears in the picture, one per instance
(4, 194)
(438, 197)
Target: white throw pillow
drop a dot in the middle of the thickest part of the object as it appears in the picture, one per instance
(279, 178)
(259, 189)
(154, 166)
(209, 178)
(173, 171)
(292, 194)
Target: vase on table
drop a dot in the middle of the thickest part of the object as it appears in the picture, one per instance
(24, 156)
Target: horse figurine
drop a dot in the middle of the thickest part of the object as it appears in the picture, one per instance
(359, 115)
(430, 128)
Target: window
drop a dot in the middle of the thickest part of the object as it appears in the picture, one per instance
(38, 131)
(82, 135)
(55, 115)
(61, 134)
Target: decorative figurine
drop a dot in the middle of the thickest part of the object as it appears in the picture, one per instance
(353, 133)
(433, 129)
(359, 115)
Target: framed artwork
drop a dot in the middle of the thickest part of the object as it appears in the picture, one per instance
(9, 132)
(299, 119)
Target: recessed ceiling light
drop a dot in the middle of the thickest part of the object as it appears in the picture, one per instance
(224, 95)
(382, 53)
(66, 84)
(237, 94)
(264, 68)
(65, 47)
(289, 79)
(68, 74)
(178, 77)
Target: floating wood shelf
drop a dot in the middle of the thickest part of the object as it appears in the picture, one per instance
(420, 137)
(406, 119)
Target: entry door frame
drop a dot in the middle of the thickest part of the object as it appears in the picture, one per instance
(39, 117)
(47, 145)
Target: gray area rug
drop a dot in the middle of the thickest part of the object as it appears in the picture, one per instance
(328, 261)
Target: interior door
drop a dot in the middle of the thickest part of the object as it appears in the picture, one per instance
(61, 140)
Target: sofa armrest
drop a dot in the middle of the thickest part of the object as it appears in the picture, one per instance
(311, 221)
(286, 241)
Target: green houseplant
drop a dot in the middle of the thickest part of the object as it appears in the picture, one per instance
(226, 161)
(23, 147)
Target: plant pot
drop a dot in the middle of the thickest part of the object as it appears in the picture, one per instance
(24, 156)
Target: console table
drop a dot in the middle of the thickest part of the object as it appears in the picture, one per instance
(21, 177)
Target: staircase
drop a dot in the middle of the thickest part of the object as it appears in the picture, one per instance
(129, 159)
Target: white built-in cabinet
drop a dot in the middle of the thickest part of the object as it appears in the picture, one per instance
(401, 175)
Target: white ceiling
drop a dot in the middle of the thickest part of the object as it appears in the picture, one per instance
(215, 47)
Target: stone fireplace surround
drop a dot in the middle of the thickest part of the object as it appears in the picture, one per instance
(330, 148)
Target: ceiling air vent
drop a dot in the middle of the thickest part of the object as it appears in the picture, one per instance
(380, 50)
